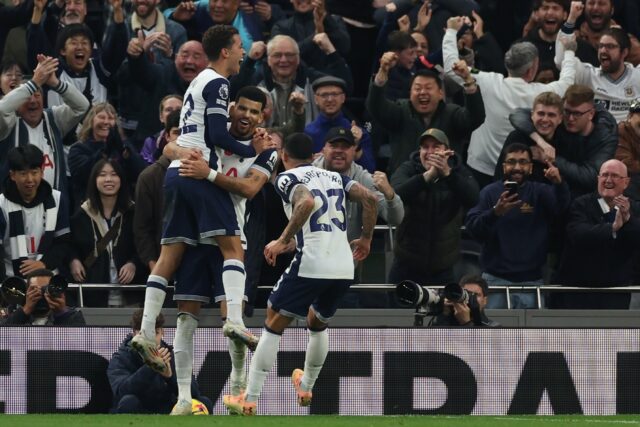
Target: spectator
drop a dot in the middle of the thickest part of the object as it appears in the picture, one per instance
(74, 50)
(23, 120)
(401, 74)
(11, 74)
(309, 19)
(42, 307)
(514, 227)
(138, 389)
(153, 145)
(628, 151)
(435, 195)
(28, 242)
(297, 101)
(501, 96)
(550, 15)
(102, 235)
(147, 220)
(478, 47)
(329, 97)
(586, 139)
(597, 20)
(614, 82)
(338, 156)
(405, 120)
(99, 138)
(602, 244)
(463, 314)
(158, 81)
(197, 16)
(284, 74)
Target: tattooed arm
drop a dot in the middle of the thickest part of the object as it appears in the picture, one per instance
(361, 246)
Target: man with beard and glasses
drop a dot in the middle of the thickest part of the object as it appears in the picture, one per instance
(550, 15)
(614, 82)
(597, 20)
(513, 225)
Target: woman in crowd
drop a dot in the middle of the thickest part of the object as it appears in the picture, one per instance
(102, 235)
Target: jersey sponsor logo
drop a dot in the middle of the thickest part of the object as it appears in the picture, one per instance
(224, 91)
(283, 183)
(47, 162)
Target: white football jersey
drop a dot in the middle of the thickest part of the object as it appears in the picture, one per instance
(236, 166)
(615, 96)
(323, 250)
(207, 94)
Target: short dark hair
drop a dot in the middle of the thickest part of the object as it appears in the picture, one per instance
(474, 279)
(172, 121)
(579, 94)
(136, 320)
(565, 4)
(428, 74)
(9, 64)
(621, 37)
(71, 31)
(216, 38)
(399, 40)
(41, 272)
(25, 157)
(252, 93)
(123, 201)
(298, 146)
(518, 147)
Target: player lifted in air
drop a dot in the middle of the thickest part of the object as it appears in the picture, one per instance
(321, 270)
(242, 178)
(197, 214)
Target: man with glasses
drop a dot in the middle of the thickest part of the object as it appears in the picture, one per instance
(512, 221)
(602, 243)
(329, 97)
(614, 82)
(587, 137)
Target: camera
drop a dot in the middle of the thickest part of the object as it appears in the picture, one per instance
(14, 290)
(56, 287)
(430, 302)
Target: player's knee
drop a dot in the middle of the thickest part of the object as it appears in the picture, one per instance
(130, 404)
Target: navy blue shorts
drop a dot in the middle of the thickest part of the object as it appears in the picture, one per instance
(292, 296)
(195, 211)
(199, 277)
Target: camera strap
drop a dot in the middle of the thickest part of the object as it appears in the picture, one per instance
(103, 243)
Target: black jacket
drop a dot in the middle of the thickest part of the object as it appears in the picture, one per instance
(71, 317)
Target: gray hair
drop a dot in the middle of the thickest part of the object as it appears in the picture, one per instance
(519, 58)
(275, 40)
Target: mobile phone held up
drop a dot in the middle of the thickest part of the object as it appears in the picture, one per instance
(511, 187)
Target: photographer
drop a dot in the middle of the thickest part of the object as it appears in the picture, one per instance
(137, 389)
(45, 304)
(467, 314)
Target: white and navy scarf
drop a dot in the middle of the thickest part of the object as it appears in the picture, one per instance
(17, 237)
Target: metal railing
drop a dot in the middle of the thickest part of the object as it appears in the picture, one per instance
(387, 287)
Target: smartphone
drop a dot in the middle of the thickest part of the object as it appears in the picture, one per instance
(511, 187)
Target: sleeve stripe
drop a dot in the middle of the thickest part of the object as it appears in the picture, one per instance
(261, 169)
(349, 185)
(214, 110)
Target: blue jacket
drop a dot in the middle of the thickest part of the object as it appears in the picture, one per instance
(128, 374)
(318, 128)
(514, 246)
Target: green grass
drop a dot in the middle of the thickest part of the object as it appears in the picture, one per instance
(315, 421)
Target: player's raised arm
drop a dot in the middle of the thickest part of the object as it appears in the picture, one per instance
(303, 204)
(362, 245)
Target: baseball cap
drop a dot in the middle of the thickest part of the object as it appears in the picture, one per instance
(437, 134)
(328, 81)
(339, 134)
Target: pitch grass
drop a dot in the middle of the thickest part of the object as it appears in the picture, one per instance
(315, 421)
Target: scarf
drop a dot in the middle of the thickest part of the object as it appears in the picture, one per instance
(17, 237)
(159, 27)
(99, 222)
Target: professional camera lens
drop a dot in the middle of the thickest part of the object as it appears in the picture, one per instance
(57, 286)
(456, 293)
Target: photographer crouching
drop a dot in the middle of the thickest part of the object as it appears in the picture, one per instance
(457, 304)
(40, 300)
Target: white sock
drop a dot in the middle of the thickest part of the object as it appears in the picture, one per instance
(183, 350)
(317, 349)
(238, 354)
(233, 279)
(153, 300)
(261, 363)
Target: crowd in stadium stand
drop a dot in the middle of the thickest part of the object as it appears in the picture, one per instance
(511, 124)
